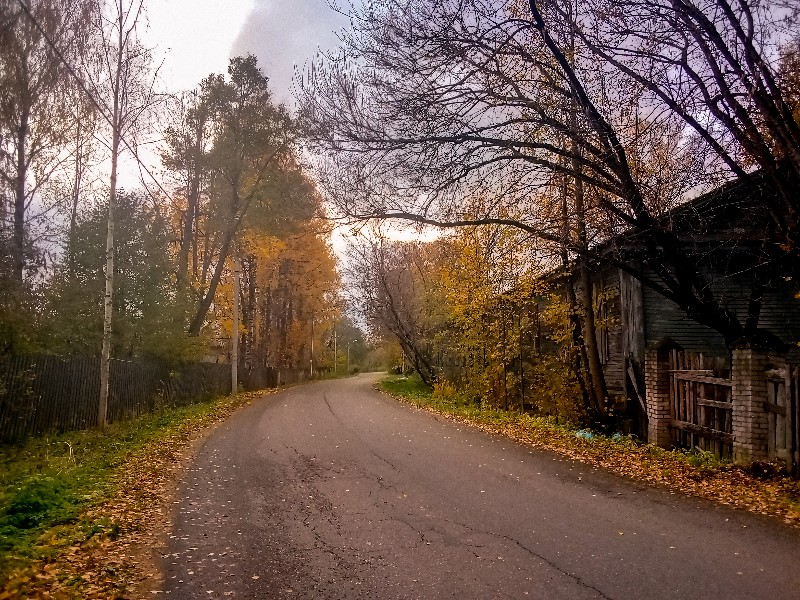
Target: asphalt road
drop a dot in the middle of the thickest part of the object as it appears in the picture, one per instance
(332, 490)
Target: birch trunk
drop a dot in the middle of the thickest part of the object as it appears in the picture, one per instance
(20, 199)
(117, 117)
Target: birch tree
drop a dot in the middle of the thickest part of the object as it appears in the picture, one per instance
(38, 105)
(37, 94)
(122, 81)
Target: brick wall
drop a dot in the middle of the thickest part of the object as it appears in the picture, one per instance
(750, 419)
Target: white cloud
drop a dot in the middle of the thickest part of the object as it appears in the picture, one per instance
(284, 34)
(194, 37)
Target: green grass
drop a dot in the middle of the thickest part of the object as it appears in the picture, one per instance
(47, 483)
(410, 388)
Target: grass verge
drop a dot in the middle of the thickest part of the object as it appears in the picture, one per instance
(77, 509)
(760, 490)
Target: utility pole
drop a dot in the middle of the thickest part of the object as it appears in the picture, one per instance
(235, 335)
(312, 345)
(335, 355)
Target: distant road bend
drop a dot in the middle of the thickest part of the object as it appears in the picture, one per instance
(334, 491)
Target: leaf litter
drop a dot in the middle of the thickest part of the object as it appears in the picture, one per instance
(121, 559)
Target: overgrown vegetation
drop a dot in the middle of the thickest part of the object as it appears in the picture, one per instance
(582, 133)
(762, 488)
(68, 503)
(467, 318)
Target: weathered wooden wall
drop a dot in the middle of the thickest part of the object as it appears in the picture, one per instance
(780, 315)
(610, 331)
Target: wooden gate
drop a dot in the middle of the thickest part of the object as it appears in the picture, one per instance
(700, 404)
(783, 410)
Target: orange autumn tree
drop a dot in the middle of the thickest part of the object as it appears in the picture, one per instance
(465, 312)
(288, 299)
(489, 282)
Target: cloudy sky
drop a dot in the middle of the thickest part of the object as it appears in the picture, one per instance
(197, 37)
(285, 34)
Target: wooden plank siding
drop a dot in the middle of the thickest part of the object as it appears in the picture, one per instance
(664, 320)
(780, 315)
(783, 408)
(611, 336)
(726, 234)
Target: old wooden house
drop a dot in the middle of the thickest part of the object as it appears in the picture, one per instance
(727, 233)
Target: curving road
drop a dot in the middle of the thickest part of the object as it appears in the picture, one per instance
(332, 490)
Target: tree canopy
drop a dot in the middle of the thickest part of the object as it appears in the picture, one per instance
(481, 112)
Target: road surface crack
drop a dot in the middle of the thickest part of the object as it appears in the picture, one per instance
(579, 580)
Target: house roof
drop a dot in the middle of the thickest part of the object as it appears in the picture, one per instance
(733, 214)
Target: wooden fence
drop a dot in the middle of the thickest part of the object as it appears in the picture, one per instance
(49, 393)
(783, 411)
(260, 377)
(700, 404)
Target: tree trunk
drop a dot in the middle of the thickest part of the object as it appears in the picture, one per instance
(251, 308)
(235, 218)
(105, 355)
(598, 391)
(188, 238)
(76, 194)
(283, 328)
(205, 302)
(597, 378)
(578, 358)
(265, 329)
(597, 381)
(117, 123)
